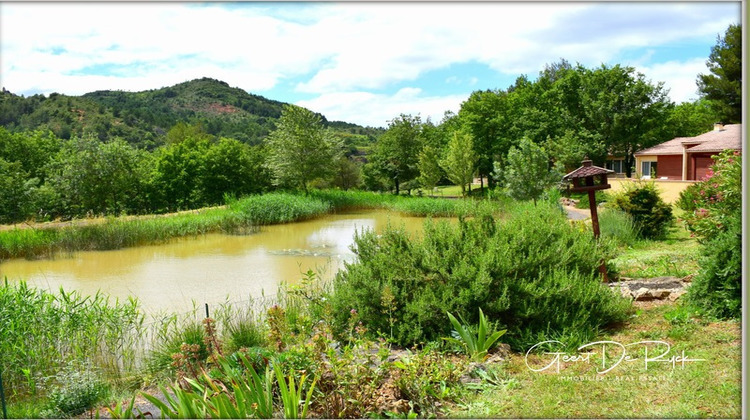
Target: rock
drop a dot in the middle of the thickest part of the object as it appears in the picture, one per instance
(643, 294)
(658, 288)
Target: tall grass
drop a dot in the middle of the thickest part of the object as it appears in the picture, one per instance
(240, 216)
(274, 208)
(41, 332)
(619, 226)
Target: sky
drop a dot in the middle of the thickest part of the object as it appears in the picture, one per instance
(364, 63)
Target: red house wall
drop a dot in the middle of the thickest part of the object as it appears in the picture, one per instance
(669, 166)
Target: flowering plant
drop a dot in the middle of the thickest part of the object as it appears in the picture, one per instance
(710, 202)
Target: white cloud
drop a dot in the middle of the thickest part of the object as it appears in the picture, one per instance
(679, 77)
(376, 110)
(339, 50)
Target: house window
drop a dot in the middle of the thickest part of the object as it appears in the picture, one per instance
(614, 165)
(648, 169)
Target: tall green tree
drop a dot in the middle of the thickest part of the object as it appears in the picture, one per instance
(178, 171)
(99, 178)
(234, 168)
(460, 160)
(724, 86)
(397, 150)
(17, 192)
(690, 119)
(301, 150)
(624, 111)
(526, 172)
(430, 171)
(487, 117)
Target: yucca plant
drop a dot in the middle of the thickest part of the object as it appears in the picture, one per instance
(291, 394)
(476, 346)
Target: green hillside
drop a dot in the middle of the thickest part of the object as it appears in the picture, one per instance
(144, 118)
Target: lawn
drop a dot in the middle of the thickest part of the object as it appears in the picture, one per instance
(710, 387)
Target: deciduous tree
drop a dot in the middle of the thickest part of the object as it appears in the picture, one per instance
(460, 160)
(301, 150)
(526, 172)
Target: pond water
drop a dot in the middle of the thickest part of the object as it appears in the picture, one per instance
(212, 268)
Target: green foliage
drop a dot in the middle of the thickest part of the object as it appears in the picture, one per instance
(292, 394)
(430, 171)
(713, 202)
(396, 153)
(18, 192)
(574, 111)
(504, 268)
(301, 150)
(641, 200)
(427, 380)
(75, 390)
(724, 86)
(277, 208)
(619, 226)
(717, 289)
(475, 346)
(714, 213)
(526, 173)
(460, 160)
(42, 332)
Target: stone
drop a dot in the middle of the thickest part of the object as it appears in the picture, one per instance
(643, 294)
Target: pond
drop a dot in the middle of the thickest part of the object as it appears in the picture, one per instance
(213, 268)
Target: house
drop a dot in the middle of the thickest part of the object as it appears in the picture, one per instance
(687, 158)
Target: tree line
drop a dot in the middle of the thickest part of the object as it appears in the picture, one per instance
(567, 114)
(520, 139)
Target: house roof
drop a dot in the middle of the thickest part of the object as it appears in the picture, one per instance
(587, 170)
(713, 141)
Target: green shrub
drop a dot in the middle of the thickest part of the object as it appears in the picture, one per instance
(712, 203)
(401, 287)
(75, 390)
(718, 287)
(642, 202)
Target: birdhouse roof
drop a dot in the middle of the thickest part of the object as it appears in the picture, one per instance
(587, 170)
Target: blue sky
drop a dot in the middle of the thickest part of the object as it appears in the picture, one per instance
(364, 63)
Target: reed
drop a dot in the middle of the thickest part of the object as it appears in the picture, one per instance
(240, 216)
(275, 208)
(42, 332)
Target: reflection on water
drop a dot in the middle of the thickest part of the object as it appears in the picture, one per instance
(211, 268)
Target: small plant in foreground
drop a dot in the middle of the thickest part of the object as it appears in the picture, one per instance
(475, 346)
(75, 391)
(292, 394)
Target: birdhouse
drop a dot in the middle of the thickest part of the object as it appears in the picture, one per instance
(588, 178)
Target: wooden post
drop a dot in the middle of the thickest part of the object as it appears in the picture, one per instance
(594, 215)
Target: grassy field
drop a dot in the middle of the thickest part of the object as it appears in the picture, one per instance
(676, 255)
(707, 388)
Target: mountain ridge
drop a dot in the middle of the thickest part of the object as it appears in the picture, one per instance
(143, 118)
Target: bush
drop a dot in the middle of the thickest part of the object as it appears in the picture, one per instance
(403, 287)
(75, 391)
(641, 200)
(711, 204)
(718, 287)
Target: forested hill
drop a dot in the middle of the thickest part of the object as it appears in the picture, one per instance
(144, 118)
